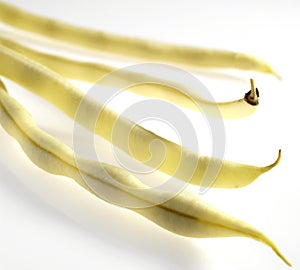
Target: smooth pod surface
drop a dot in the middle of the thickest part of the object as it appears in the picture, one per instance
(145, 49)
(67, 98)
(185, 213)
(92, 72)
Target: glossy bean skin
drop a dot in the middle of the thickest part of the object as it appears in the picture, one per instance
(66, 97)
(184, 213)
(92, 72)
(138, 48)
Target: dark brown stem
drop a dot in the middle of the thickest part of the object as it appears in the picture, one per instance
(251, 97)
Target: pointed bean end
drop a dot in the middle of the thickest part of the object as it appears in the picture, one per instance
(269, 167)
(268, 69)
(277, 76)
(274, 73)
(278, 158)
(280, 255)
(264, 239)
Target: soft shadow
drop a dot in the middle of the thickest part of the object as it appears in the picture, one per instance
(111, 225)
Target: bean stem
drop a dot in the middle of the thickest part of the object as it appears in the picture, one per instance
(184, 213)
(179, 161)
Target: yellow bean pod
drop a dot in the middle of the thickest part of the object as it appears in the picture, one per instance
(67, 98)
(139, 48)
(185, 214)
(92, 72)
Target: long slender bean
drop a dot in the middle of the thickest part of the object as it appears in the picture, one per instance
(67, 98)
(134, 47)
(91, 72)
(184, 214)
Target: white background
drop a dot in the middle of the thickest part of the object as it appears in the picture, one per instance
(49, 222)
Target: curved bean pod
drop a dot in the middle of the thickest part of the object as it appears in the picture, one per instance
(185, 214)
(178, 160)
(138, 48)
(91, 72)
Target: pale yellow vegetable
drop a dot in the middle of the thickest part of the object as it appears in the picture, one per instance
(91, 72)
(180, 162)
(184, 213)
(134, 47)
